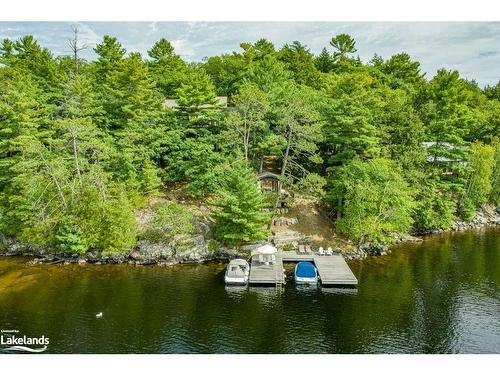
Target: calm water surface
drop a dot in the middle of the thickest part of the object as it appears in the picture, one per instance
(441, 296)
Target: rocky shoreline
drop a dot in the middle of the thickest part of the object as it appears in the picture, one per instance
(486, 216)
(175, 252)
(144, 253)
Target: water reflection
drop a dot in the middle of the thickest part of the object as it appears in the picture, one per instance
(340, 291)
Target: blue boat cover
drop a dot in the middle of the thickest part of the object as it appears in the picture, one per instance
(305, 269)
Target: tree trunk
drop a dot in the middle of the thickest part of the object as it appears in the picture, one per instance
(285, 163)
(287, 152)
(75, 153)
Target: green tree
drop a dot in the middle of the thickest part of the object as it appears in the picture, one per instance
(324, 62)
(168, 69)
(69, 237)
(435, 208)
(27, 56)
(378, 202)
(300, 62)
(493, 92)
(251, 106)
(402, 72)
(197, 101)
(495, 178)
(344, 46)
(298, 122)
(351, 127)
(239, 217)
(479, 181)
(110, 52)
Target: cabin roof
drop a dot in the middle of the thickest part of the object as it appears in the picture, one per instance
(220, 101)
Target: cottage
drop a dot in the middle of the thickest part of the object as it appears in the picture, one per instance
(221, 103)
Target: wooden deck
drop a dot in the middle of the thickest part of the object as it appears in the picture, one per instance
(332, 269)
(292, 256)
(266, 274)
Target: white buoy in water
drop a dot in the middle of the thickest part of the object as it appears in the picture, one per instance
(98, 315)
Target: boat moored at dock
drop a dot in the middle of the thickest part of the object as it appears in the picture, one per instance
(237, 272)
(305, 273)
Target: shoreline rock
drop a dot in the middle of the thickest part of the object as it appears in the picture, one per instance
(196, 248)
(487, 216)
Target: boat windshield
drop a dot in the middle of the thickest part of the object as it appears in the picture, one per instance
(236, 270)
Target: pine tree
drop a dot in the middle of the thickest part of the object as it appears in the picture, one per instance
(324, 62)
(197, 101)
(239, 217)
(168, 69)
(349, 110)
(300, 61)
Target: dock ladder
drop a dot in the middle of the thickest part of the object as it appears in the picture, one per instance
(280, 279)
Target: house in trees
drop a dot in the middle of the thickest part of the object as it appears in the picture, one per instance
(198, 113)
(446, 155)
(269, 181)
(221, 102)
(444, 152)
(269, 173)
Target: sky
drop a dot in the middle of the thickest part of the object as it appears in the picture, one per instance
(472, 48)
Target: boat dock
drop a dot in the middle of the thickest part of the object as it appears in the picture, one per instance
(332, 269)
(272, 273)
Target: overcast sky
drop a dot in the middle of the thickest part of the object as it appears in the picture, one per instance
(472, 48)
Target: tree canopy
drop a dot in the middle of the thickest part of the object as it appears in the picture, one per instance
(386, 147)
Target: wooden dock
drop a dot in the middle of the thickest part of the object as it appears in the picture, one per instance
(332, 269)
(271, 274)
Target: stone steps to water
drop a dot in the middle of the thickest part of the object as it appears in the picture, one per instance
(287, 237)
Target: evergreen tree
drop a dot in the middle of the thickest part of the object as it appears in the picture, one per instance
(350, 124)
(251, 105)
(479, 182)
(344, 46)
(324, 61)
(300, 61)
(168, 69)
(197, 100)
(493, 92)
(239, 217)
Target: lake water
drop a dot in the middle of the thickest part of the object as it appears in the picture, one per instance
(440, 296)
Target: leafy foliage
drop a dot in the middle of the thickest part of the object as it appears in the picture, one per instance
(377, 202)
(169, 219)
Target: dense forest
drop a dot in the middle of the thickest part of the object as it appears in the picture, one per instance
(84, 144)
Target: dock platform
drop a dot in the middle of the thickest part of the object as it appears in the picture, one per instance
(261, 273)
(332, 269)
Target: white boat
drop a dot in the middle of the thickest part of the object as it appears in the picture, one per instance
(305, 273)
(237, 272)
